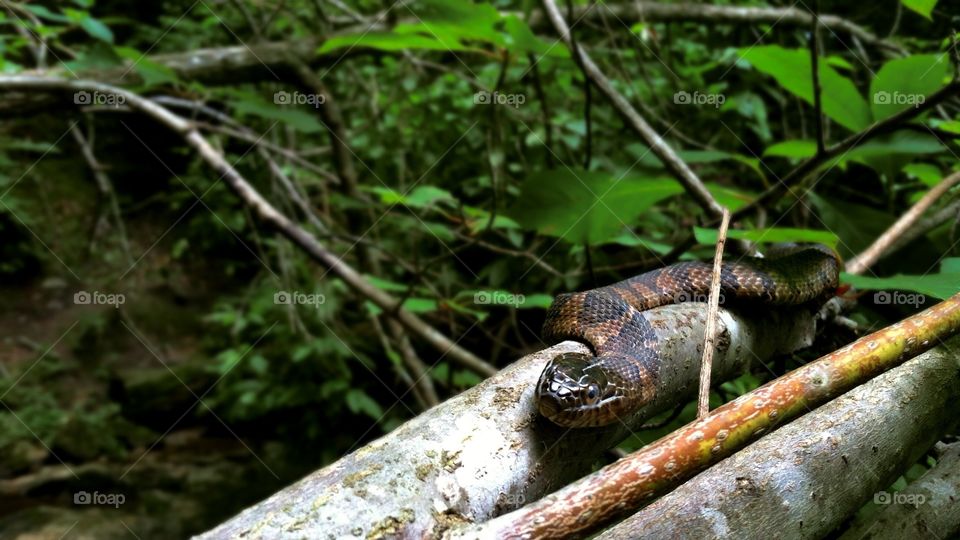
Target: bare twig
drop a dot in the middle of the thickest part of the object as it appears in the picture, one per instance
(885, 126)
(815, 74)
(677, 167)
(873, 253)
(710, 333)
(609, 493)
(104, 186)
(264, 210)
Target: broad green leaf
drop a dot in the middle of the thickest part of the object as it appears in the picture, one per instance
(890, 153)
(423, 196)
(388, 41)
(797, 149)
(153, 74)
(729, 197)
(769, 235)
(941, 285)
(414, 305)
(522, 40)
(927, 173)
(923, 7)
(536, 301)
(791, 68)
(586, 206)
(299, 117)
(950, 265)
(97, 29)
(45, 13)
(953, 126)
(906, 82)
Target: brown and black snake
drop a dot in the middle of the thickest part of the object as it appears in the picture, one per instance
(580, 390)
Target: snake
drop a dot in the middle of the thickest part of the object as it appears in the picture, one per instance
(621, 375)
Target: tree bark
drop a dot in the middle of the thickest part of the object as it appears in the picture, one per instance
(488, 451)
(927, 508)
(806, 478)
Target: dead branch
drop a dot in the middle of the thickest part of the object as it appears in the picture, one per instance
(487, 450)
(873, 253)
(677, 167)
(806, 478)
(602, 497)
(263, 209)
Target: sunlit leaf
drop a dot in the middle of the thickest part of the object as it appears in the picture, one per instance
(906, 82)
(770, 235)
(580, 206)
(841, 100)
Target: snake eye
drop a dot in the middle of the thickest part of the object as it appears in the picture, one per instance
(593, 392)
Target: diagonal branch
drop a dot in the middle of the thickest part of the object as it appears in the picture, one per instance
(883, 127)
(657, 145)
(264, 210)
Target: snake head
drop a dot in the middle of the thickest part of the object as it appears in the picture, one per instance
(577, 390)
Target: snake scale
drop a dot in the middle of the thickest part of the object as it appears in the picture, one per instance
(581, 390)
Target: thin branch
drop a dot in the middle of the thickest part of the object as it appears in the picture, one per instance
(634, 120)
(815, 74)
(621, 487)
(264, 210)
(872, 254)
(710, 333)
(885, 126)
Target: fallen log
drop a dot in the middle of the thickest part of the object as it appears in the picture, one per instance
(488, 451)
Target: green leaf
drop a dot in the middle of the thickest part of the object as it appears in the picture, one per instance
(769, 235)
(45, 13)
(791, 68)
(522, 40)
(923, 7)
(797, 149)
(359, 402)
(729, 197)
(153, 74)
(950, 265)
(388, 41)
(906, 82)
(246, 103)
(586, 206)
(942, 285)
(927, 173)
(97, 29)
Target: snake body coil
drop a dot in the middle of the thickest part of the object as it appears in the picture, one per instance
(578, 390)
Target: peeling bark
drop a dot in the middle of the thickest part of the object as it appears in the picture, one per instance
(487, 451)
(806, 478)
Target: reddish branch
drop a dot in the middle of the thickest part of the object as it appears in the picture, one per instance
(624, 486)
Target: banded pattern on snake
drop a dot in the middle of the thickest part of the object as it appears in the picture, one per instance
(578, 390)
